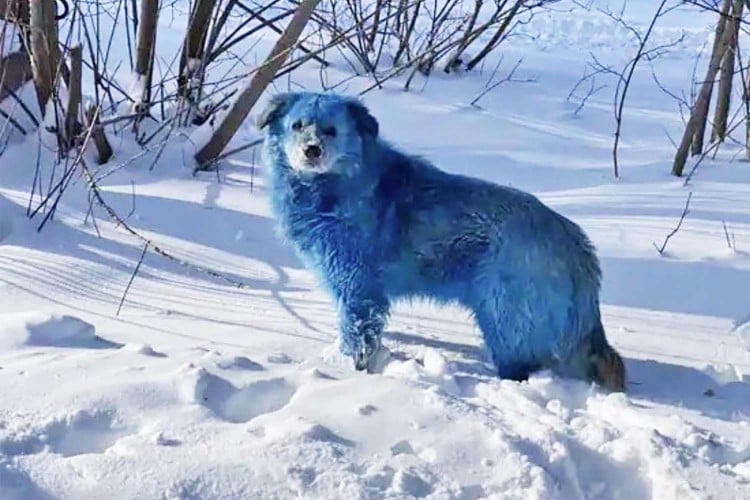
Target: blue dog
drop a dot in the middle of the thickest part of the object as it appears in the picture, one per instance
(379, 225)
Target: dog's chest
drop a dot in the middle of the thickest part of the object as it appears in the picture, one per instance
(316, 219)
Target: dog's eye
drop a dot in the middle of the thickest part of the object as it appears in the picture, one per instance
(330, 131)
(297, 125)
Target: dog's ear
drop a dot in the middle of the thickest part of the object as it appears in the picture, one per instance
(366, 123)
(277, 107)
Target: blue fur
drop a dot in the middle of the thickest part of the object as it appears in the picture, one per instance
(380, 225)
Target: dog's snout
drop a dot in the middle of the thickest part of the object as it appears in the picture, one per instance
(313, 152)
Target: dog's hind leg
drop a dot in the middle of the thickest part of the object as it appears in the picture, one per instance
(594, 359)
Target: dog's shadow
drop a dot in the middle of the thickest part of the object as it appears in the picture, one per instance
(653, 381)
(688, 387)
(472, 359)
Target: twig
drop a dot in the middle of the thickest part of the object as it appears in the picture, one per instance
(132, 277)
(593, 89)
(14, 95)
(251, 144)
(252, 172)
(731, 243)
(13, 122)
(623, 85)
(508, 78)
(132, 197)
(677, 228)
(94, 187)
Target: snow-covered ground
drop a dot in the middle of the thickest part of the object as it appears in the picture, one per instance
(201, 390)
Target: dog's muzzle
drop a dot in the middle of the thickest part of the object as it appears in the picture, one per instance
(309, 155)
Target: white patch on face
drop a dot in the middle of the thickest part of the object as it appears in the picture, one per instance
(298, 161)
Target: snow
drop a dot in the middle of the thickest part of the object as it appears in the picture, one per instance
(202, 390)
(38, 328)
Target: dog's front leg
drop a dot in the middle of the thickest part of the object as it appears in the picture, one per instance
(362, 318)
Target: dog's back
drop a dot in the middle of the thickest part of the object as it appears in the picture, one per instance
(447, 224)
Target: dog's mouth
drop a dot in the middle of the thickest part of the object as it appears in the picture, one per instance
(313, 166)
(311, 158)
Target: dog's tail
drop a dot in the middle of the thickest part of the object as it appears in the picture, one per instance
(606, 366)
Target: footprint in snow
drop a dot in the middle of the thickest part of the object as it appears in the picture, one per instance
(367, 410)
(402, 448)
(160, 439)
(235, 404)
(80, 433)
(143, 349)
(279, 359)
(318, 432)
(410, 482)
(239, 363)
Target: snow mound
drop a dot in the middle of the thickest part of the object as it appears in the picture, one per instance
(43, 329)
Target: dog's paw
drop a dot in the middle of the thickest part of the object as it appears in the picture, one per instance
(379, 360)
(362, 357)
(373, 362)
(364, 353)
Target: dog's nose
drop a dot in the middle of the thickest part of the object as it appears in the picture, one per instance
(312, 152)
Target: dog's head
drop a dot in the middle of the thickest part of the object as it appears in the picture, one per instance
(319, 133)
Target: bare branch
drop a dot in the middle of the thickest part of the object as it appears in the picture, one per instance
(685, 211)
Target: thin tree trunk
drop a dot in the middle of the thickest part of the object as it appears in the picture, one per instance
(723, 99)
(9, 10)
(15, 71)
(192, 58)
(501, 30)
(144, 62)
(746, 98)
(45, 54)
(703, 101)
(375, 24)
(466, 39)
(249, 95)
(409, 25)
(103, 149)
(696, 124)
(17, 12)
(72, 114)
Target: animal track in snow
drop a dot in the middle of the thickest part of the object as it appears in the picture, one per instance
(367, 410)
(402, 447)
(144, 349)
(15, 484)
(76, 434)
(411, 483)
(42, 329)
(279, 359)
(318, 432)
(239, 363)
(235, 404)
